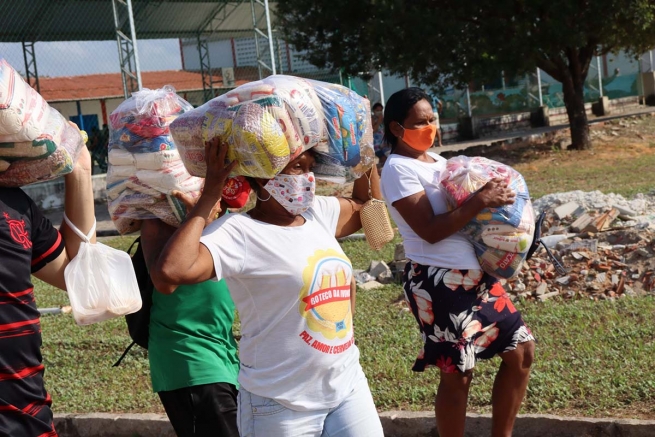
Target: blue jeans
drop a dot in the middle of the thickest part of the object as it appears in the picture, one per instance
(356, 416)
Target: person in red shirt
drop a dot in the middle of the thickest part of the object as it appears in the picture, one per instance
(30, 245)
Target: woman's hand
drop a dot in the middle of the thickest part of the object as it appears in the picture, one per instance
(189, 200)
(496, 193)
(84, 162)
(217, 171)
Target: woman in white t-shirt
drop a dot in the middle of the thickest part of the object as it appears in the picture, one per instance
(291, 283)
(463, 313)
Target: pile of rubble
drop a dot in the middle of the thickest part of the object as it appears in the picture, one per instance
(604, 245)
(604, 242)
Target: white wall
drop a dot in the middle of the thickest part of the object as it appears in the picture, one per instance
(220, 55)
(88, 107)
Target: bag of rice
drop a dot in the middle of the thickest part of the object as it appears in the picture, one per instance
(270, 122)
(144, 164)
(23, 112)
(51, 155)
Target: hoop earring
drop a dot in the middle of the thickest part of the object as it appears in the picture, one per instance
(264, 200)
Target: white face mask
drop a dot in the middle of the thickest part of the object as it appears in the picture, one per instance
(294, 192)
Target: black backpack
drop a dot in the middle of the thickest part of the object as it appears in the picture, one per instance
(138, 323)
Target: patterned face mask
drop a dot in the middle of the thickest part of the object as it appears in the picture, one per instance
(294, 192)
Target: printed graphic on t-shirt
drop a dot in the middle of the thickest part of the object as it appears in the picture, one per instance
(325, 300)
(17, 231)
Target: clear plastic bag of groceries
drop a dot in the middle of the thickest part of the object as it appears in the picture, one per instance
(148, 113)
(53, 153)
(144, 165)
(500, 236)
(23, 111)
(268, 123)
(100, 281)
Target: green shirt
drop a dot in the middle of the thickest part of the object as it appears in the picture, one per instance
(191, 340)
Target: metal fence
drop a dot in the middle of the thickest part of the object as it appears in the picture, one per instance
(74, 51)
(86, 56)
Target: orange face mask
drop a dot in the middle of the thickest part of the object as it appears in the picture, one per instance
(420, 139)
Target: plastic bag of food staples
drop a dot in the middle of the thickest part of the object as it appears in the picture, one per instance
(501, 236)
(144, 164)
(51, 155)
(23, 112)
(148, 113)
(270, 122)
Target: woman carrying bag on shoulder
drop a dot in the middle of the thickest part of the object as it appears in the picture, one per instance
(290, 281)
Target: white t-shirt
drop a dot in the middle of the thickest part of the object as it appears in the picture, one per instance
(291, 286)
(402, 177)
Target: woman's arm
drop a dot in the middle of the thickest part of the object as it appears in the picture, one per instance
(184, 260)
(349, 219)
(155, 234)
(417, 211)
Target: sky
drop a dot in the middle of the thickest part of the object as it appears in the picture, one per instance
(73, 58)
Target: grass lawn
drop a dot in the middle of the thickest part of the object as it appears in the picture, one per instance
(593, 358)
(620, 164)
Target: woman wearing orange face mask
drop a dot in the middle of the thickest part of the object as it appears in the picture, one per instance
(464, 314)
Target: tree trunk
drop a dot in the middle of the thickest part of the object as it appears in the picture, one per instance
(573, 87)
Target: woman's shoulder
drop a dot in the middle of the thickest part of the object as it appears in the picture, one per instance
(398, 166)
(325, 205)
(229, 223)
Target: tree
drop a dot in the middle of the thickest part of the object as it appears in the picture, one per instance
(450, 42)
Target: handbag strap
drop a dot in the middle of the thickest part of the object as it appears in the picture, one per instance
(368, 176)
(85, 238)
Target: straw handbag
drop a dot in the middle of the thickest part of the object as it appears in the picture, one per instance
(375, 221)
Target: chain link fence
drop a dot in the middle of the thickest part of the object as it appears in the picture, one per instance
(73, 51)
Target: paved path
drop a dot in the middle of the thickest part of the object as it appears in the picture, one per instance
(504, 136)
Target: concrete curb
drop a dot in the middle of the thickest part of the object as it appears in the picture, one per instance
(395, 424)
(422, 424)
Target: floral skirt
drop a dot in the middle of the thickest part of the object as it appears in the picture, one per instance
(463, 315)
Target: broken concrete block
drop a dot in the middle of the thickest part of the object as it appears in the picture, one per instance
(581, 223)
(542, 289)
(545, 297)
(552, 240)
(398, 266)
(377, 268)
(399, 252)
(642, 252)
(625, 211)
(566, 210)
(556, 230)
(583, 245)
(563, 280)
(386, 277)
(370, 285)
